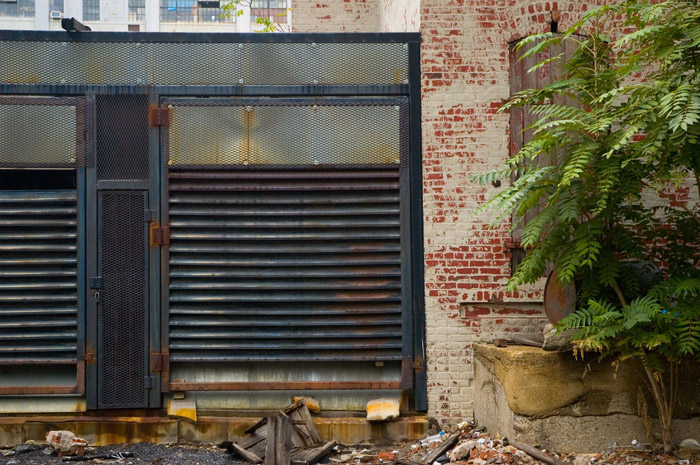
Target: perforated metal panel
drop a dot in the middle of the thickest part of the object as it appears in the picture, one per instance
(42, 132)
(202, 63)
(122, 137)
(38, 278)
(294, 132)
(122, 319)
(285, 265)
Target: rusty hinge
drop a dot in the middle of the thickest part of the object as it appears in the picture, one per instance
(159, 235)
(418, 365)
(89, 357)
(160, 362)
(158, 115)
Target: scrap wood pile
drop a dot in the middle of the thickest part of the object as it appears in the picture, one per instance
(288, 438)
(474, 448)
(477, 447)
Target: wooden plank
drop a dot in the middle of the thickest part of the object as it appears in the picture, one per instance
(301, 413)
(279, 440)
(253, 438)
(249, 456)
(538, 454)
(318, 453)
(442, 448)
(516, 123)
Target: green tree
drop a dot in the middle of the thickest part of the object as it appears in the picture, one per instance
(236, 7)
(612, 211)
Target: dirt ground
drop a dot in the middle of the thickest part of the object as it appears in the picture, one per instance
(144, 454)
(477, 448)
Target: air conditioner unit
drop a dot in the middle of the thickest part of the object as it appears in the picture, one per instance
(56, 15)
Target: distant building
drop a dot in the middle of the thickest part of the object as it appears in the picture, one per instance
(141, 15)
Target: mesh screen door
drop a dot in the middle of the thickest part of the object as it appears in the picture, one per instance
(123, 303)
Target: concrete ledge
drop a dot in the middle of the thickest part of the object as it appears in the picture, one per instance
(208, 429)
(553, 400)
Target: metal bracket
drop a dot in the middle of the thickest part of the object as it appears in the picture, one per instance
(160, 362)
(159, 235)
(158, 116)
(418, 365)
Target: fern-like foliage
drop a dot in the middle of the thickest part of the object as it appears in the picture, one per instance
(612, 142)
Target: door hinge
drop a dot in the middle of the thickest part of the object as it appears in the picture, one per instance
(159, 235)
(418, 365)
(160, 362)
(89, 357)
(158, 116)
(150, 382)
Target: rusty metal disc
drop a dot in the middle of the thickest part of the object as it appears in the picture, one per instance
(559, 300)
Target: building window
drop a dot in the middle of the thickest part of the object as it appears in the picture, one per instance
(194, 11)
(91, 10)
(55, 5)
(137, 11)
(275, 10)
(17, 8)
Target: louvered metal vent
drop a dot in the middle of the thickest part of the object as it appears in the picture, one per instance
(38, 280)
(285, 265)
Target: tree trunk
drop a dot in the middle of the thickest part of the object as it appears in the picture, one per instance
(665, 395)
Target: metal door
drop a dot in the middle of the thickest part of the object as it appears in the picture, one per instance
(119, 268)
(122, 300)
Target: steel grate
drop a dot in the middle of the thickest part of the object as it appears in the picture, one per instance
(288, 132)
(153, 63)
(42, 132)
(38, 278)
(123, 310)
(122, 137)
(285, 265)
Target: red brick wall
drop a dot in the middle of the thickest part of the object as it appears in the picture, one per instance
(465, 80)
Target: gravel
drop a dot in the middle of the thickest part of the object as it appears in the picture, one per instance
(144, 454)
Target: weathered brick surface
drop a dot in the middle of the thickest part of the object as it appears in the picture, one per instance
(464, 80)
(399, 15)
(335, 16)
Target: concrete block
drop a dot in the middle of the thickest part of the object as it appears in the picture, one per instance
(383, 409)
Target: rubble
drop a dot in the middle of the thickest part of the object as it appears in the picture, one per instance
(557, 342)
(290, 437)
(382, 409)
(66, 443)
(691, 444)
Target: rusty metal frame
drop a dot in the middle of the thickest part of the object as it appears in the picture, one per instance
(77, 389)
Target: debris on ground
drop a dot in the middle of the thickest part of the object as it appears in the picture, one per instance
(472, 445)
(286, 438)
(313, 405)
(382, 409)
(66, 443)
(113, 456)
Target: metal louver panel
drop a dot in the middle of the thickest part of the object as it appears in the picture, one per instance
(285, 265)
(38, 277)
